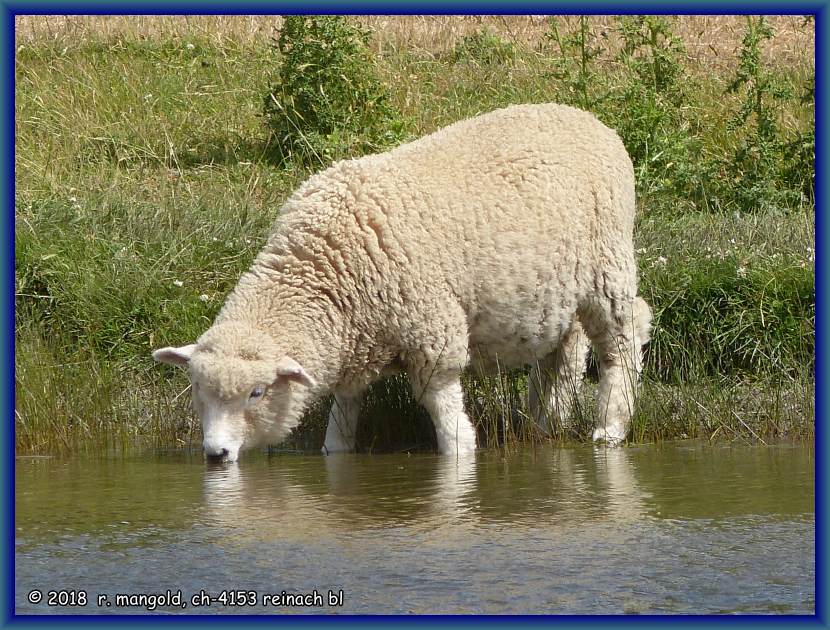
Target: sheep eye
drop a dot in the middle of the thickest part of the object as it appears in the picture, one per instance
(256, 392)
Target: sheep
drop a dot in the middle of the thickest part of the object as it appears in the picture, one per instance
(504, 239)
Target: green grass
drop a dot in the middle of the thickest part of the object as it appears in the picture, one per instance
(144, 188)
(732, 295)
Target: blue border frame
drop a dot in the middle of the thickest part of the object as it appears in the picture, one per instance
(7, 312)
(8, 10)
(822, 18)
(414, 7)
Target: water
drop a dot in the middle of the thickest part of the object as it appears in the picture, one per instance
(676, 528)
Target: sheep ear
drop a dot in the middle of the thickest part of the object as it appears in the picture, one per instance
(288, 368)
(175, 356)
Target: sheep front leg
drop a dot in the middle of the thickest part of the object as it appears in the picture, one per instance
(341, 431)
(444, 400)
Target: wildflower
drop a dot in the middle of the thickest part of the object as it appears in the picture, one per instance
(742, 272)
(178, 283)
(661, 261)
(190, 46)
(204, 297)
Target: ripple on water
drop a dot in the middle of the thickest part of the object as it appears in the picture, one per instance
(670, 529)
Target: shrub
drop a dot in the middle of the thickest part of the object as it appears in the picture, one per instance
(685, 153)
(328, 101)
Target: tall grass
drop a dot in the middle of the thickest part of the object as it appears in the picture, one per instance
(70, 400)
(145, 186)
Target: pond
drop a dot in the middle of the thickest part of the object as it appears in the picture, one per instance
(680, 527)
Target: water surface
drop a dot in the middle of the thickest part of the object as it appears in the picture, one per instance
(674, 528)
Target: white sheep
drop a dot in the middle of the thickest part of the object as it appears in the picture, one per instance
(496, 240)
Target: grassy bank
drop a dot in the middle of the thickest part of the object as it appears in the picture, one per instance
(146, 182)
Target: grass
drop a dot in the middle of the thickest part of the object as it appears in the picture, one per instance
(144, 188)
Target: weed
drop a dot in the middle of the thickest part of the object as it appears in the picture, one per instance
(751, 177)
(483, 48)
(575, 63)
(648, 110)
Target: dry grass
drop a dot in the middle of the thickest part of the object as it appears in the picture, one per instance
(711, 40)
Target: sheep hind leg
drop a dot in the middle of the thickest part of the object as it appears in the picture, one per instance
(341, 432)
(555, 381)
(618, 338)
(443, 398)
